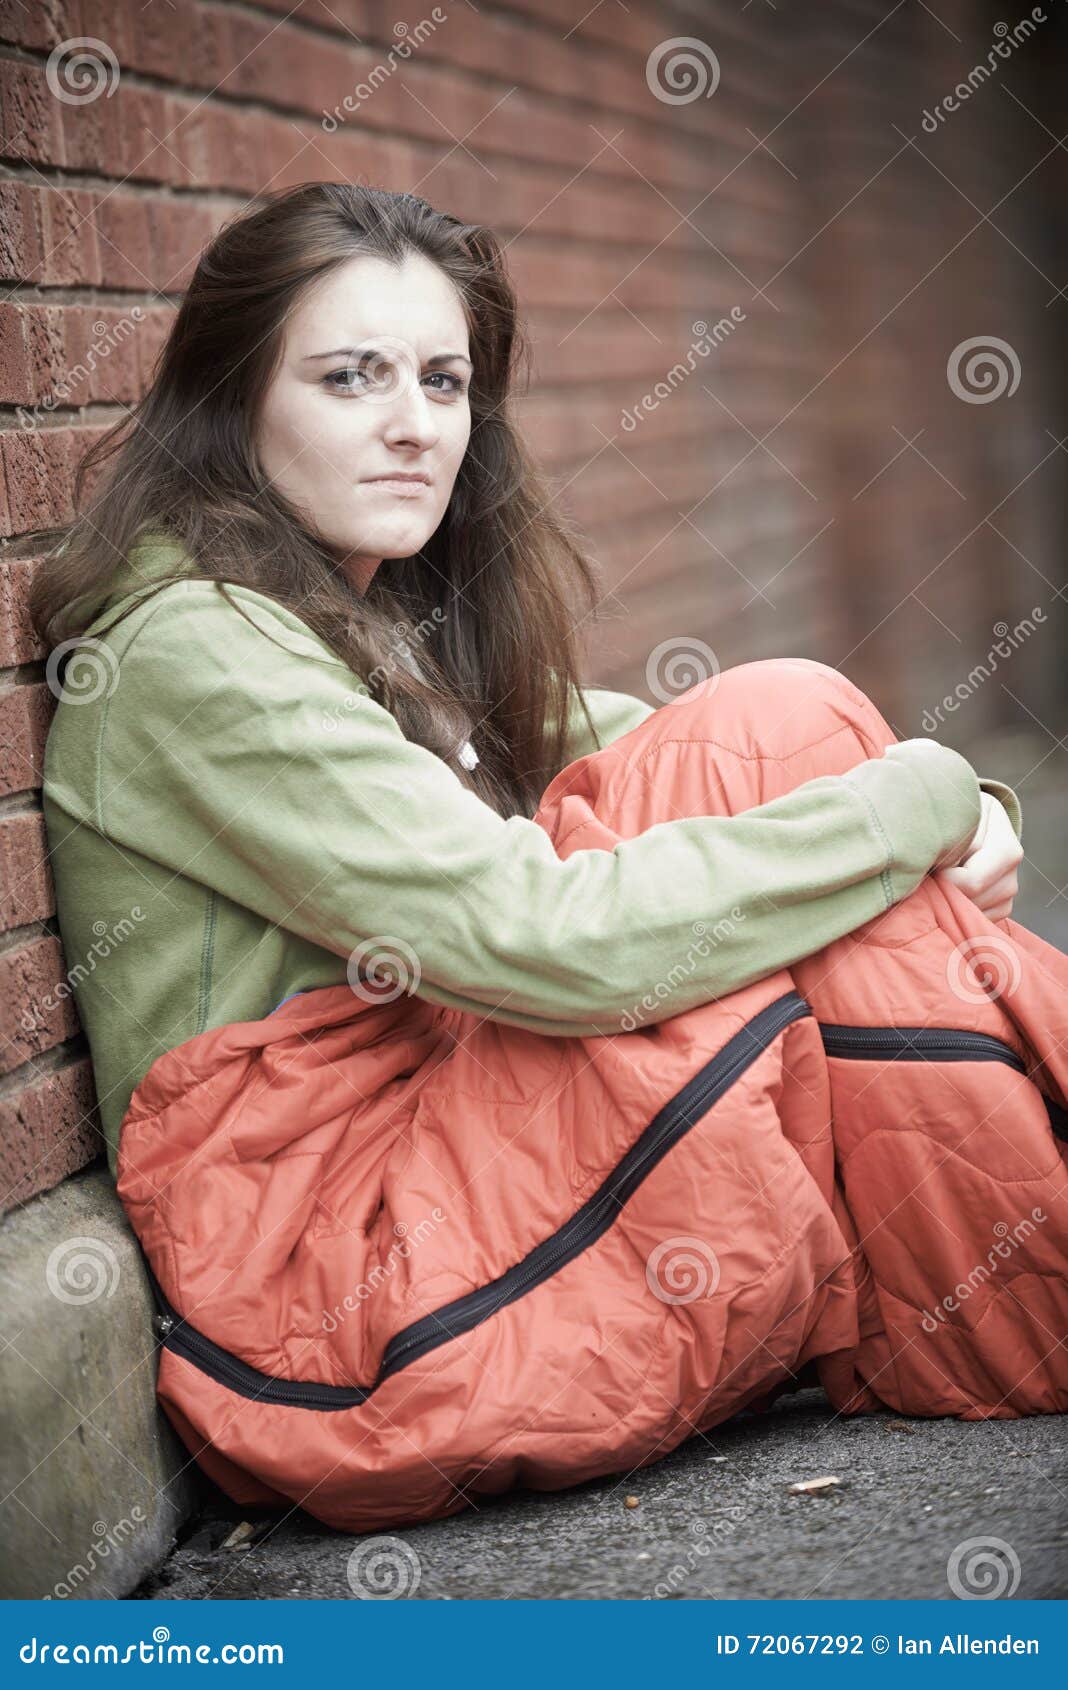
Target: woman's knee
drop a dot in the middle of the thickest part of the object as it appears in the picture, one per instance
(779, 706)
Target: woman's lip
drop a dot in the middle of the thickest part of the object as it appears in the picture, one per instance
(395, 484)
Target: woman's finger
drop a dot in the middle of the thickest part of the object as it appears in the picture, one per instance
(997, 891)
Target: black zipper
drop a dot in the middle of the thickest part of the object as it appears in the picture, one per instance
(585, 1226)
(596, 1215)
(592, 1220)
(931, 1044)
(184, 1340)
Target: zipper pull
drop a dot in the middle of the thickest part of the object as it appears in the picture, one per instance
(163, 1323)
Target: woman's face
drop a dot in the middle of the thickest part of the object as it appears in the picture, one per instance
(373, 383)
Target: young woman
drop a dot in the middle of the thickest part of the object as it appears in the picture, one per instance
(396, 948)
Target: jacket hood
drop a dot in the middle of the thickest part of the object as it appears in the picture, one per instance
(154, 557)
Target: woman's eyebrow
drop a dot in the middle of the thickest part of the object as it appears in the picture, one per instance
(348, 351)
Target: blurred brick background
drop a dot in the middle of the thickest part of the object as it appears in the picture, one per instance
(812, 485)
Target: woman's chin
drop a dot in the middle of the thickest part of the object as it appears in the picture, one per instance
(395, 539)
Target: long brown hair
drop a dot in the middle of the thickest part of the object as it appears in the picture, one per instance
(503, 580)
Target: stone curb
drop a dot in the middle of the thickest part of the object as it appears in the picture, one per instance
(95, 1482)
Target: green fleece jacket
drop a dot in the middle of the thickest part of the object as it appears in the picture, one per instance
(229, 820)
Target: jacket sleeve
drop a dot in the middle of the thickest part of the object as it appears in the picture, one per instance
(615, 713)
(250, 765)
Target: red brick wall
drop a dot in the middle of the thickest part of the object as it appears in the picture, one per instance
(769, 505)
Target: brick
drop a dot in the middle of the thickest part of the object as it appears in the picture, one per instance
(25, 713)
(18, 643)
(41, 26)
(124, 226)
(21, 247)
(68, 236)
(38, 473)
(49, 1129)
(206, 51)
(16, 376)
(51, 349)
(36, 1001)
(110, 359)
(148, 149)
(29, 114)
(180, 231)
(91, 128)
(26, 890)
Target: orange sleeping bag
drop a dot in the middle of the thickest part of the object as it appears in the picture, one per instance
(404, 1256)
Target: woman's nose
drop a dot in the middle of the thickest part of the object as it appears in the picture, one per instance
(410, 413)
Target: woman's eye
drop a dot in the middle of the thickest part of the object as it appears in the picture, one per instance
(457, 382)
(332, 378)
(354, 380)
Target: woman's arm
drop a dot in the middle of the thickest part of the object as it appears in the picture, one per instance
(615, 713)
(256, 770)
